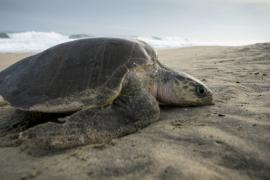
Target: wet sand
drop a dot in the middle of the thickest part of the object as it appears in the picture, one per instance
(230, 140)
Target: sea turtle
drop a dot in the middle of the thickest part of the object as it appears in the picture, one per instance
(110, 86)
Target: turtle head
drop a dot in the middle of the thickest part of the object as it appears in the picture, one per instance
(181, 89)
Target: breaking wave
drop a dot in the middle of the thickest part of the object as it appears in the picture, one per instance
(33, 41)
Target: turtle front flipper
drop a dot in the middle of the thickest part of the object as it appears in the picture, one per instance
(134, 108)
(90, 98)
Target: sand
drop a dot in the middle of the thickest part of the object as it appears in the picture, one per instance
(230, 140)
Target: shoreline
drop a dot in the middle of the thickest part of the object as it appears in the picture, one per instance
(9, 58)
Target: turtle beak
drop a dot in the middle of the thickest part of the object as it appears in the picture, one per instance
(211, 100)
(208, 99)
(211, 103)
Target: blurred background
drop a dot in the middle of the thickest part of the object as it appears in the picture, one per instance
(34, 25)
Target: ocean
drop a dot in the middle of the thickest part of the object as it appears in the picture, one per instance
(33, 41)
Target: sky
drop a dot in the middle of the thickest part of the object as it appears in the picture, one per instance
(202, 20)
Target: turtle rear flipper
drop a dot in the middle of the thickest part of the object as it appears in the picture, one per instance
(134, 109)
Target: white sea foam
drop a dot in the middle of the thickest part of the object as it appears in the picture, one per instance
(166, 42)
(31, 41)
(38, 41)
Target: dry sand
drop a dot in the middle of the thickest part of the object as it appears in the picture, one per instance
(230, 140)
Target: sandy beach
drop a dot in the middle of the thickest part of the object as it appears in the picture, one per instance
(229, 140)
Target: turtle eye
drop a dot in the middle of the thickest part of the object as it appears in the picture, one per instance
(200, 91)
